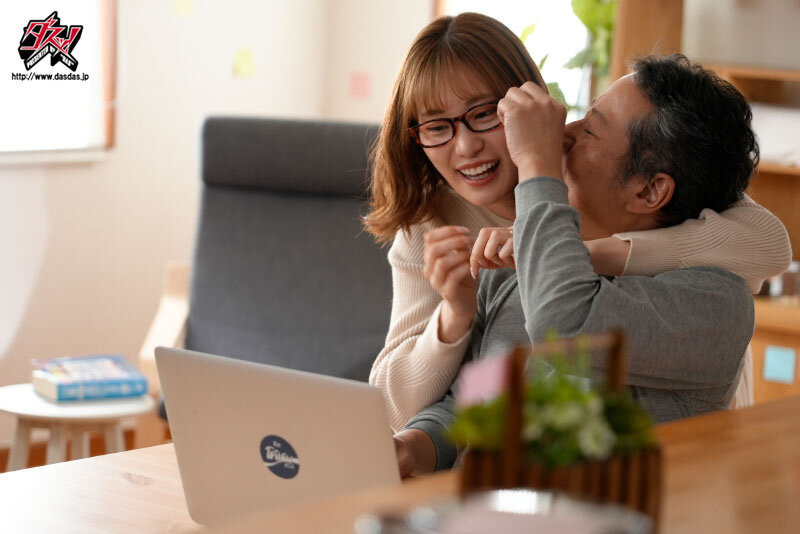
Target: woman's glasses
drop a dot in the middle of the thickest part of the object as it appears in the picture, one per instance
(437, 132)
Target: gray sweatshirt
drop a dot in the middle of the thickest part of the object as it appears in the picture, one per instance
(687, 329)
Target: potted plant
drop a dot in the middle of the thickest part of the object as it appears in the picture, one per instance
(551, 428)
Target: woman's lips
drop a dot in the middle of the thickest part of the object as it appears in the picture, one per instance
(484, 177)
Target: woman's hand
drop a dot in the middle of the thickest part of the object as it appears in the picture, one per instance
(447, 268)
(494, 249)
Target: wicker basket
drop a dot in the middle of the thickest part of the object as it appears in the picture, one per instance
(632, 480)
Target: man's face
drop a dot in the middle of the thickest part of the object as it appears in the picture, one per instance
(594, 148)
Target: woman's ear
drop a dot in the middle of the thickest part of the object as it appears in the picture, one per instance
(651, 195)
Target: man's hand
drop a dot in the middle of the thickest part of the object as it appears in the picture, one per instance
(405, 458)
(534, 126)
(416, 454)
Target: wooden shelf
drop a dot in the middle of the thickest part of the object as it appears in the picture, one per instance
(766, 167)
(777, 326)
(756, 73)
(640, 25)
(767, 85)
(777, 186)
(779, 314)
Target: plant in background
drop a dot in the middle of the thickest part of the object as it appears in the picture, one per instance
(565, 418)
(598, 16)
(552, 87)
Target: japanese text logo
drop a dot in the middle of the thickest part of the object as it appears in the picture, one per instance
(43, 37)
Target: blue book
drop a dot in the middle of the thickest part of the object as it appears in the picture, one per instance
(103, 376)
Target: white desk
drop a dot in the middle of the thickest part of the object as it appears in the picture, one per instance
(76, 418)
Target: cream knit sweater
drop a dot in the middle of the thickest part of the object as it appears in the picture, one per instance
(415, 369)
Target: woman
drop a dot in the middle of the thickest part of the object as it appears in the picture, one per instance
(442, 172)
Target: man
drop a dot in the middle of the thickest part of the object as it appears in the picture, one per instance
(658, 147)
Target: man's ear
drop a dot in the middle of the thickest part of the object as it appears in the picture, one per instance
(650, 196)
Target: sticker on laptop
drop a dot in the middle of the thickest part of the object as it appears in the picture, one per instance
(279, 456)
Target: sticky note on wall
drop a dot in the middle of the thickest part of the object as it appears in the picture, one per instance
(779, 364)
(183, 7)
(359, 85)
(243, 63)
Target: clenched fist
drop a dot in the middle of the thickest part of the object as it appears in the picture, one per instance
(534, 125)
(447, 252)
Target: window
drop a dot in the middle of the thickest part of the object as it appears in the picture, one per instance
(47, 106)
(558, 35)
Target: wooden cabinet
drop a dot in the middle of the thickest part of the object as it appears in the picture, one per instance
(776, 186)
(777, 331)
(644, 26)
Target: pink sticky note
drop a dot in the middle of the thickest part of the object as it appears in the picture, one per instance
(359, 85)
(482, 380)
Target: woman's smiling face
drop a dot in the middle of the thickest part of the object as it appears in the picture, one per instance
(476, 165)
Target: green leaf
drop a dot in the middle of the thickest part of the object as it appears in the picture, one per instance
(607, 14)
(551, 335)
(587, 12)
(543, 61)
(565, 420)
(596, 14)
(480, 426)
(527, 32)
(581, 59)
(601, 47)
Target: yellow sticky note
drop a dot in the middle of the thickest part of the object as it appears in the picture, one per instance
(243, 63)
(183, 7)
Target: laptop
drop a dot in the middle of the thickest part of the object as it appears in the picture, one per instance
(250, 436)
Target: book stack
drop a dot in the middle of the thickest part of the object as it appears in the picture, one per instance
(103, 376)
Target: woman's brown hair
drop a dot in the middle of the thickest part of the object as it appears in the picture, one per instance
(406, 188)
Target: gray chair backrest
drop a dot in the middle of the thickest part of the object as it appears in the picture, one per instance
(283, 272)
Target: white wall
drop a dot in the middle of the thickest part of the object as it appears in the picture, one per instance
(372, 37)
(83, 246)
(743, 32)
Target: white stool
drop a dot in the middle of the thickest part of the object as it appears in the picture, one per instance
(76, 418)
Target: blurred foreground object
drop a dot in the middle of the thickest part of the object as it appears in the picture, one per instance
(552, 430)
(511, 511)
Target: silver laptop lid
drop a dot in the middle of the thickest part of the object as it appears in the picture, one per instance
(250, 436)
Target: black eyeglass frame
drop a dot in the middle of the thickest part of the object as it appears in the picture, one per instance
(414, 130)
